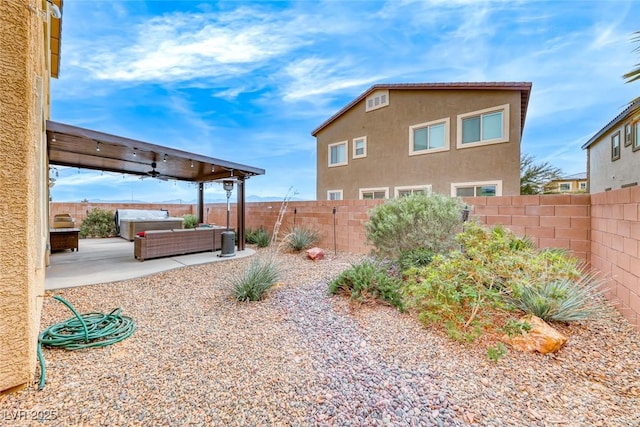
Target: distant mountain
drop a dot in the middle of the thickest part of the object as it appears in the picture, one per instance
(248, 199)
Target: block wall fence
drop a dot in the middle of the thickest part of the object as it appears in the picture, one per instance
(601, 229)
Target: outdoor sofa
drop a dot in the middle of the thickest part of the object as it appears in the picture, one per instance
(163, 243)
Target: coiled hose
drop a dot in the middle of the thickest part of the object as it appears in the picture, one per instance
(84, 331)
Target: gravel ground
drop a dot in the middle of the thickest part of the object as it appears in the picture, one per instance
(303, 358)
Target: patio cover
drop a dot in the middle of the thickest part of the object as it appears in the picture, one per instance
(73, 146)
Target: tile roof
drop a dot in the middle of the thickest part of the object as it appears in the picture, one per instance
(523, 87)
(633, 105)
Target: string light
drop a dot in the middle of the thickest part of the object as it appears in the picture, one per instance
(97, 146)
(165, 158)
(191, 163)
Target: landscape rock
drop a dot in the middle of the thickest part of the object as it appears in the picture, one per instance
(315, 254)
(541, 338)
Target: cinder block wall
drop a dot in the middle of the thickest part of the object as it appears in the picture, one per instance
(602, 229)
(615, 247)
(551, 220)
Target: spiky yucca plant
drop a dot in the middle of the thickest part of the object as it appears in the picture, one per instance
(562, 300)
(299, 238)
(261, 275)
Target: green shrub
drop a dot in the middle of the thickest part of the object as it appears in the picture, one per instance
(416, 221)
(98, 223)
(261, 275)
(415, 258)
(562, 300)
(250, 236)
(496, 353)
(368, 280)
(300, 238)
(494, 275)
(262, 238)
(190, 221)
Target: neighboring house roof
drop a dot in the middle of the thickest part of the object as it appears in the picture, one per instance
(523, 87)
(574, 177)
(635, 104)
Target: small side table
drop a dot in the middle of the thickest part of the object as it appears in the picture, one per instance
(64, 238)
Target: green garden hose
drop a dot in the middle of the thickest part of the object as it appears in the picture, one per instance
(84, 331)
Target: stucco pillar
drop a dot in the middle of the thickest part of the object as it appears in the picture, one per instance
(23, 107)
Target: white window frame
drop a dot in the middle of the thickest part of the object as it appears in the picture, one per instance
(346, 154)
(427, 188)
(339, 192)
(456, 185)
(582, 185)
(359, 156)
(373, 190)
(378, 99)
(565, 183)
(447, 132)
(505, 127)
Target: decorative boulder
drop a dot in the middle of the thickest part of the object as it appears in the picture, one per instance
(315, 254)
(541, 337)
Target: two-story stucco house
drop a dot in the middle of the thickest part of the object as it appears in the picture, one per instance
(460, 139)
(613, 153)
(576, 183)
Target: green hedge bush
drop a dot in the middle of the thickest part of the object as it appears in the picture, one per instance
(417, 221)
(98, 223)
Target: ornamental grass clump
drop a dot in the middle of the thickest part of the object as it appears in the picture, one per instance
(563, 299)
(368, 280)
(416, 221)
(261, 275)
(190, 221)
(300, 238)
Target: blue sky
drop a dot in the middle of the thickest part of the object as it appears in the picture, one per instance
(248, 81)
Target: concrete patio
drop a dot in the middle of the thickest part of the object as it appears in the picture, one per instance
(110, 260)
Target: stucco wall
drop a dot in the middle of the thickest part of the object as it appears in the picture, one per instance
(24, 88)
(388, 163)
(613, 174)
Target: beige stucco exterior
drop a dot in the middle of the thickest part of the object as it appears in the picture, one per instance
(605, 171)
(388, 163)
(24, 88)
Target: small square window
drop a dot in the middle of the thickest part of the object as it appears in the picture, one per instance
(338, 154)
(360, 147)
(615, 146)
(583, 185)
(334, 195)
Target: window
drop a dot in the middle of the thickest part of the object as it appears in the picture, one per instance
(338, 154)
(628, 134)
(615, 146)
(636, 136)
(407, 191)
(360, 147)
(565, 186)
(374, 193)
(476, 189)
(430, 137)
(489, 126)
(583, 185)
(378, 99)
(334, 195)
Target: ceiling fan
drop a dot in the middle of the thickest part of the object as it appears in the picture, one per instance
(153, 173)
